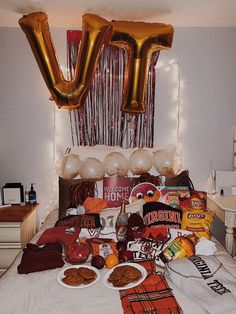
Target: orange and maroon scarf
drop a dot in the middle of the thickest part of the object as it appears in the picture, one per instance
(152, 296)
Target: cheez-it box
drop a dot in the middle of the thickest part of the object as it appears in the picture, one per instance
(171, 195)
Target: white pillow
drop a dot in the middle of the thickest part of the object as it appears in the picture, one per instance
(205, 280)
(108, 216)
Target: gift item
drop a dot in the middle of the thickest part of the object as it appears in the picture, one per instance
(122, 223)
(135, 227)
(59, 234)
(77, 253)
(172, 195)
(94, 205)
(180, 247)
(153, 295)
(146, 191)
(102, 247)
(205, 278)
(156, 213)
(197, 200)
(89, 221)
(145, 249)
(198, 221)
(37, 258)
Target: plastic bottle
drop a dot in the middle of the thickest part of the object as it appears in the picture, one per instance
(121, 223)
(32, 195)
(180, 247)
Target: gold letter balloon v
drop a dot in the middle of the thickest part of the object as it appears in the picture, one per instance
(139, 39)
(66, 94)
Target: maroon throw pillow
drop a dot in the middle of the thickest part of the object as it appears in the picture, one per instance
(58, 234)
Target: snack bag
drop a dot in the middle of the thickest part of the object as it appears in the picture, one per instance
(198, 221)
(102, 247)
(197, 201)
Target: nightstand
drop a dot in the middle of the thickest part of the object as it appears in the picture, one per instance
(17, 227)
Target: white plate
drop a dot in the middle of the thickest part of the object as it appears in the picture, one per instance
(61, 275)
(130, 285)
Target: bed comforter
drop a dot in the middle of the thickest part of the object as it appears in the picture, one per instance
(40, 293)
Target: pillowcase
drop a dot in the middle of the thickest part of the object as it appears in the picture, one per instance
(108, 216)
(160, 214)
(205, 279)
(58, 234)
(73, 192)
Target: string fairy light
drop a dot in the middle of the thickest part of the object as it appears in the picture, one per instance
(177, 94)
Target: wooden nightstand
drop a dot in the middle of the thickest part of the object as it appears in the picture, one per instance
(17, 227)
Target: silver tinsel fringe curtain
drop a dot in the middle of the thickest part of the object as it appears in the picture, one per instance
(100, 120)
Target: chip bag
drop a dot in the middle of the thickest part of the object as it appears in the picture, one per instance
(198, 221)
(197, 201)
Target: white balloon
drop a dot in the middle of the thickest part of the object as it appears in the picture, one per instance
(92, 168)
(167, 162)
(67, 166)
(116, 164)
(140, 161)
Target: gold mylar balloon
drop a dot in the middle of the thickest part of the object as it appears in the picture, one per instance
(140, 40)
(66, 94)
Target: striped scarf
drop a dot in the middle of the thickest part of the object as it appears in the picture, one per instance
(152, 296)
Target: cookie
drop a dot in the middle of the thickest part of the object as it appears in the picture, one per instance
(123, 275)
(71, 271)
(73, 280)
(87, 273)
(116, 274)
(132, 273)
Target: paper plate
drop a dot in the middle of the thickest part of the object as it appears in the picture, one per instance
(61, 275)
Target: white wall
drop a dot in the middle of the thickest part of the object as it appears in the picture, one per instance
(206, 58)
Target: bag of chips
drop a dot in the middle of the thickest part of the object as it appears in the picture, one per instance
(197, 200)
(198, 221)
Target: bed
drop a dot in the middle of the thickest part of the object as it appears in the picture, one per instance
(39, 292)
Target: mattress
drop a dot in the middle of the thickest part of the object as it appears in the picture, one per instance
(40, 293)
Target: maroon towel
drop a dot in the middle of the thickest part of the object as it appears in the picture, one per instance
(37, 258)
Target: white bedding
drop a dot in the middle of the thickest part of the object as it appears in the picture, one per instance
(40, 293)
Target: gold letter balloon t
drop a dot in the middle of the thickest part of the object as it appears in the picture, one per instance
(139, 39)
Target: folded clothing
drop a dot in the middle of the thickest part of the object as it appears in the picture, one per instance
(94, 205)
(58, 234)
(37, 258)
(153, 295)
(89, 221)
(204, 278)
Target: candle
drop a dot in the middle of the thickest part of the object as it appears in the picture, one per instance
(234, 133)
